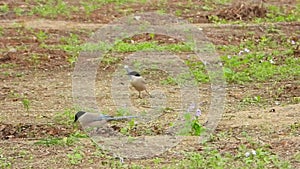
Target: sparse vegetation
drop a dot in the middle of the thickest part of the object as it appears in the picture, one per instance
(259, 56)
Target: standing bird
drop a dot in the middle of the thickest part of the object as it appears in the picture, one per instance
(137, 81)
(95, 119)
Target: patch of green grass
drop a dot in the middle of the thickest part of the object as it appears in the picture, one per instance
(25, 154)
(110, 60)
(34, 59)
(245, 158)
(260, 60)
(295, 127)
(297, 157)
(89, 6)
(296, 100)
(123, 112)
(65, 141)
(130, 125)
(4, 161)
(76, 156)
(52, 8)
(18, 11)
(222, 2)
(71, 45)
(150, 46)
(1, 31)
(252, 100)
(26, 103)
(4, 8)
(281, 14)
(65, 118)
(7, 65)
(198, 70)
(168, 81)
(192, 127)
(218, 20)
(41, 36)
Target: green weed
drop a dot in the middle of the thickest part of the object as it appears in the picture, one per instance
(65, 118)
(260, 60)
(245, 158)
(4, 8)
(18, 11)
(252, 100)
(53, 8)
(76, 156)
(282, 14)
(150, 46)
(4, 161)
(1, 31)
(71, 45)
(41, 36)
(65, 141)
(168, 81)
(26, 104)
(192, 126)
(130, 125)
(7, 65)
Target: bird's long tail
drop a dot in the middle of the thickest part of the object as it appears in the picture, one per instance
(111, 118)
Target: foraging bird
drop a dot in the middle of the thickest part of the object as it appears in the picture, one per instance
(95, 119)
(137, 81)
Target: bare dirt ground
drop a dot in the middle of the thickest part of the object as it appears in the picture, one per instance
(48, 86)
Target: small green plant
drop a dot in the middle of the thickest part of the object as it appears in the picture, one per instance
(130, 125)
(252, 100)
(198, 70)
(35, 59)
(26, 104)
(150, 46)
(4, 162)
(192, 126)
(71, 45)
(65, 118)
(297, 156)
(178, 12)
(260, 158)
(65, 141)
(295, 127)
(168, 81)
(245, 158)
(76, 156)
(4, 8)
(18, 11)
(41, 36)
(110, 60)
(254, 60)
(296, 100)
(8, 65)
(53, 8)
(216, 19)
(88, 7)
(1, 31)
(281, 14)
(207, 8)
(123, 112)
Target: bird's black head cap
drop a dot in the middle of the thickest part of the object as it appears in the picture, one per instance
(134, 73)
(78, 115)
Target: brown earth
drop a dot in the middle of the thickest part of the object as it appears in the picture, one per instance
(47, 83)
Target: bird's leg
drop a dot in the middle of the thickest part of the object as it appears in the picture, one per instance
(140, 94)
(148, 93)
